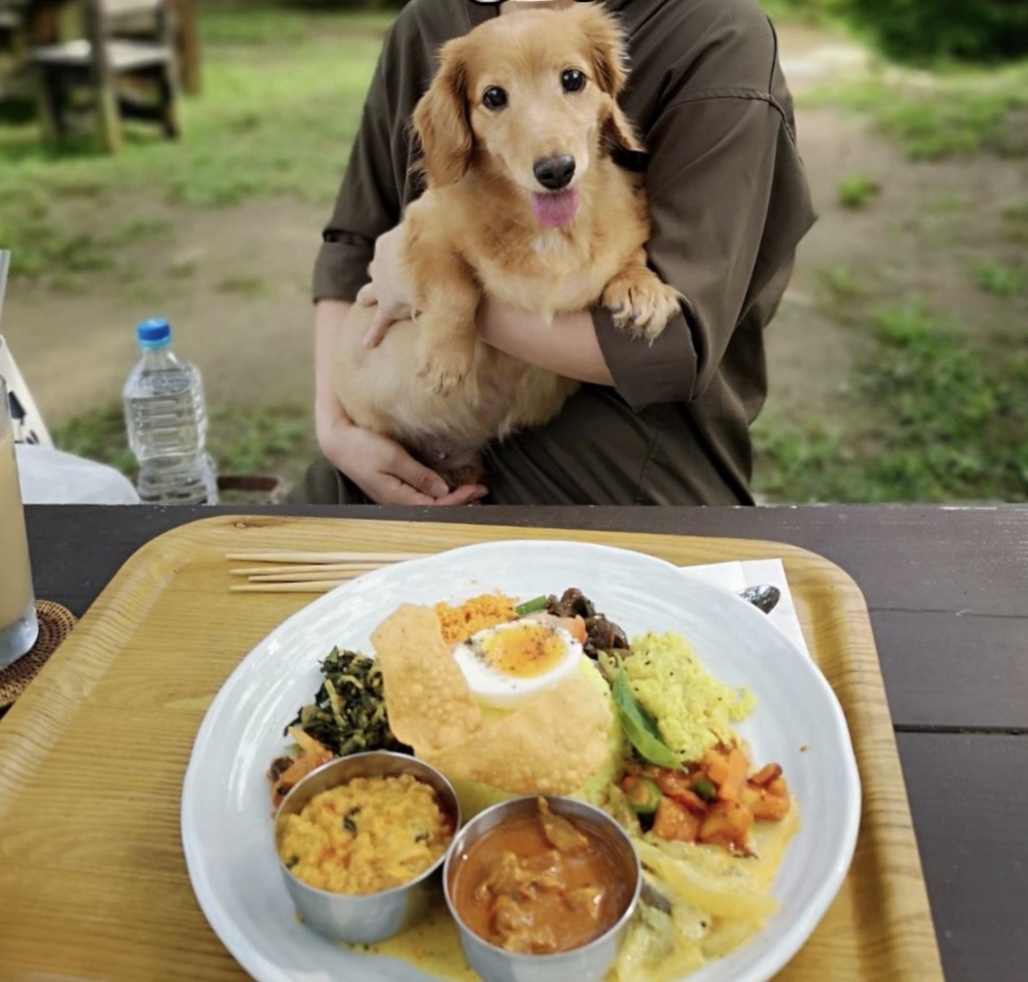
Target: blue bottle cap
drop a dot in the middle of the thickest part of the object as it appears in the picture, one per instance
(153, 333)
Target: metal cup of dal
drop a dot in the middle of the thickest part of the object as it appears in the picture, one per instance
(323, 843)
(478, 872)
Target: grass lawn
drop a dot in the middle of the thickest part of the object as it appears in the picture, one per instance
(282, 95)
(274, 441)
(943, 420)
(937, 115)
(935, 408)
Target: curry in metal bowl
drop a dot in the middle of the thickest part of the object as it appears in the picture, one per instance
(361, 841)
(365, 836)
(540, 882)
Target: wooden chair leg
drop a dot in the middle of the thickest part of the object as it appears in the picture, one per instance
(105, 103)
(168, 96)
(49, 103)
(102, 79)
(187, 44)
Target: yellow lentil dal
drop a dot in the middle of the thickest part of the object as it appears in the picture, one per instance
(369, 835)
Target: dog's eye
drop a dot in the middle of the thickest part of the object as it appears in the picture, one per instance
(494, 98)
(573, 80)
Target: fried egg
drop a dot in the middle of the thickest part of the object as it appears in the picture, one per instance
(507, 665)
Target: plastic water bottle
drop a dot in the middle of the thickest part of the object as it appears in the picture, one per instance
(166, 420)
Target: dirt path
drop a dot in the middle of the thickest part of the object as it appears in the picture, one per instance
(234, 282)
(243, 312)
(920, 239)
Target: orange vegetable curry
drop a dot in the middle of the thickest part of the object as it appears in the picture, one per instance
(540, 884)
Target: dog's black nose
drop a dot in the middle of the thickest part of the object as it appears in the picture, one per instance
(555, 172)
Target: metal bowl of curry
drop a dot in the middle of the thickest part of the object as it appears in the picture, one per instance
(361, 841)
(542, 889)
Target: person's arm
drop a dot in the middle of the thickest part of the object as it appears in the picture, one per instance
(380, 467)
(567, 345)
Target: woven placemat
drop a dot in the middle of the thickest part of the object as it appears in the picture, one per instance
(55, 623)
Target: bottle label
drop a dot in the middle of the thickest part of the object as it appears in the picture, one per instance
(167, 383)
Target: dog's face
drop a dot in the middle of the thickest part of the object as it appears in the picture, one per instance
(534, 96)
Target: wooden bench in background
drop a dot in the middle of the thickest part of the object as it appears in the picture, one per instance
(120, 59)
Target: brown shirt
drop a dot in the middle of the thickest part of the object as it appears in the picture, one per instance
(729, 204)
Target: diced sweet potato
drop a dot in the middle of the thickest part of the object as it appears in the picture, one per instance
(728, 824)
(764, 805)
(727, 769)
(767, 774)
(677, 784)
(675, 822)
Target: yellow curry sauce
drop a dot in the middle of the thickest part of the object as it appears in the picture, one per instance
(432, 946)
(369, 835)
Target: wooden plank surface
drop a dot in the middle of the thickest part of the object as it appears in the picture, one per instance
(969, 794)
(157, 645)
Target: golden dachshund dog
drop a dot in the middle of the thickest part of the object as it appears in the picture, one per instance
(523, 202)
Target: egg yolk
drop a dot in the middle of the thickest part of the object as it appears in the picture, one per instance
(523, 651)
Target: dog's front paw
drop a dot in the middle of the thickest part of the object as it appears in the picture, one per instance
(641, 302)
(444, 370)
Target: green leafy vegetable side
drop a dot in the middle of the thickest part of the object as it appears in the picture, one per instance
(348, 714)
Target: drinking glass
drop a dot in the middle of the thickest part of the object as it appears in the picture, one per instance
(18, 625)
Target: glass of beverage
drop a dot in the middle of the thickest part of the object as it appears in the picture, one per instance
(18, 625)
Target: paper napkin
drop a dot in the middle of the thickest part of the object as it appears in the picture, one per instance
(736, 576)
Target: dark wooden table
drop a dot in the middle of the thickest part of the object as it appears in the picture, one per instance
(947, 588)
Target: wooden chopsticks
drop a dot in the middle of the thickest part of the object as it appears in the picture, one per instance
(307, 572)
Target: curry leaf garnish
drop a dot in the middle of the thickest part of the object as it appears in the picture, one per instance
(639, 726)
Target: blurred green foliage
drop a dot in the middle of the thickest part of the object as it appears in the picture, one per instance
(983, 30)
(928, 30)
(856, 191)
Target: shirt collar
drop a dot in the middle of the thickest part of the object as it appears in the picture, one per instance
(479, 13)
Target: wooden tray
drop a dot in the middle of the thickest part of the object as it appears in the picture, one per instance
(93, 883)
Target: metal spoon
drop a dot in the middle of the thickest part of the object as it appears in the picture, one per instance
(652, 896)
(763, 596)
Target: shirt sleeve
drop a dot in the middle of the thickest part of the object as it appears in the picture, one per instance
(722, 165)
(369, 198)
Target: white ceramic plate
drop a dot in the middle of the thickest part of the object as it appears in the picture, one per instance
(226, 811)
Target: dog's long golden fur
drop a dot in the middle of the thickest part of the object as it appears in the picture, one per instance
(431, 383)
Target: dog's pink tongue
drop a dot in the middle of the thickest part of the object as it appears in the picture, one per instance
(556, 209)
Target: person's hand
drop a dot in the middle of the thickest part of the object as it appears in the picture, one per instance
(384, 471)
(387, 288)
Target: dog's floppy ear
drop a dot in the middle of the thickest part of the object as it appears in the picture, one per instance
(610, 61)
(441, 120)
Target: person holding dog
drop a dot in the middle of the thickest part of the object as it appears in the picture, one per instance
(666, 423)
